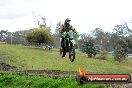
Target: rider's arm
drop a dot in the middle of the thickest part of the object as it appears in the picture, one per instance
(61, 30)
(73, 29)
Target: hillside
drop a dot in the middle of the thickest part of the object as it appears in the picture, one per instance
(32, 58)
(27, 61)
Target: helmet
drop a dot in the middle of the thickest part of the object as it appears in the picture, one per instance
(67, 20)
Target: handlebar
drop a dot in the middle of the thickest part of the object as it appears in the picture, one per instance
(69, 34)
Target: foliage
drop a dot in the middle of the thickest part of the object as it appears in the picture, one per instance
(40, 36)
(89, 48)
(83, 38)
(113, 39)
(102, 55)
(122, 29)
(3, 34)
(57, 35)
(120, 51)
(102, 39)
(129, 41)
(17, 37)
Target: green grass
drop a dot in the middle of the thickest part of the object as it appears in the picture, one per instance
(32, 58)
(25, 57)
(8, 80)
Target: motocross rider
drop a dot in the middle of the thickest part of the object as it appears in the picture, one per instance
(66, 27)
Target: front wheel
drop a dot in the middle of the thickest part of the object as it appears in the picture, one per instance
(72, 54)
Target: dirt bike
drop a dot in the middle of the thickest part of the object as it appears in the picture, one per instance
(68, 45)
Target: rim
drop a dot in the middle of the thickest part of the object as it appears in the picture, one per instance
(72, 55)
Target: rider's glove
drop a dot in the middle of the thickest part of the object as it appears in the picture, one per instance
(77, 34)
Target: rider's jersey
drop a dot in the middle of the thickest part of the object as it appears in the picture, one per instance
(63, 28)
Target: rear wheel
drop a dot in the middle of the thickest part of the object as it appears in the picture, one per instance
(72, 54)
(62, 52)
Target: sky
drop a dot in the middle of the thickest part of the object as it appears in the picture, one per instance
(85, 15)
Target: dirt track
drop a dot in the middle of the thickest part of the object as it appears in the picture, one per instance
(48, 72)
(57, 74)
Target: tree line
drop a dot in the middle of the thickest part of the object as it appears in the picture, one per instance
(119, 40)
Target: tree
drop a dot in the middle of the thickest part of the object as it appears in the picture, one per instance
(83, 38)
(57, 34)
(3, 35)
(102, 39)
(129, 41)
(122, 29)
(9, 37)
(40, 36)
(89, 48)
(120, 51)
(19, 37)
(129, 31)
(113, 39)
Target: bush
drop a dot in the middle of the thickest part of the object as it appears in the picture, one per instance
(89, 48)
(120, 51)
(129, 50)
(40, 36)
(102, 55)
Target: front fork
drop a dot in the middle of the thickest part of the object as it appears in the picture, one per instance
(70, 43)
(71, 46)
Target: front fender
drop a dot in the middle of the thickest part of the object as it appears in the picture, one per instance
(73, 42)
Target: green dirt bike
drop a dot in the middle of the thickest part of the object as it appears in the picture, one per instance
(68, 45)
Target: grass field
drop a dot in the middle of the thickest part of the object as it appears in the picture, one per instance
(32, 58)
(24, 57)
(16, 81)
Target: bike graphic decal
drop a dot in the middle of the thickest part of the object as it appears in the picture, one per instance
(73, 42)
